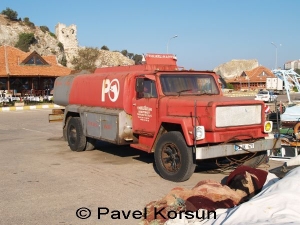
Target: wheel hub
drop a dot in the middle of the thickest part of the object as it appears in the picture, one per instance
(72, 134)
(171, 158)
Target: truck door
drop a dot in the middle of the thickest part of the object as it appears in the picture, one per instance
(144, 110)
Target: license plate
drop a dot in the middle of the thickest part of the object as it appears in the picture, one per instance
(243, 146)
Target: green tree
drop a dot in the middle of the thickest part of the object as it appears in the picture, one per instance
(63, 61)
(44, 29)
(137, 59)
(61, 46)
(11, 14)
(28, 22)
(124, 52)
(52, 34)
(104, 47)
(229, 86)
(130, 55)
(86, 59)
(25, 40)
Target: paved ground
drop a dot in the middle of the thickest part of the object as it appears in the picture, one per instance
(44, 182)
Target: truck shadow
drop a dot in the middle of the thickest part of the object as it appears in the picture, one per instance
(124, 151)
(204, 166)
(209, 166)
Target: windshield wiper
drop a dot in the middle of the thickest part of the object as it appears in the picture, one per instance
(179, 92)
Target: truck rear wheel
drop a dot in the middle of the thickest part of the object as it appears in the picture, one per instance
(65, 136)
(258, 159)
(173, 158)
(76, 139)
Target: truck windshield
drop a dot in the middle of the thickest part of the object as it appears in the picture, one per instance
(188, 84)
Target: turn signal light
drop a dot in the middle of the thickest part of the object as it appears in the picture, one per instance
(268, 126)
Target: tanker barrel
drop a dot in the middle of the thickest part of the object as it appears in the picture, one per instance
(62, 88)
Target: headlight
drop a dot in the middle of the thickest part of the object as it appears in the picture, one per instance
(268, 126)
(199, 132)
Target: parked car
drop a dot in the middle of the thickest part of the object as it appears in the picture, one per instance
(266, 96)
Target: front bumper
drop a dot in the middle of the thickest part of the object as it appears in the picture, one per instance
(229, 149)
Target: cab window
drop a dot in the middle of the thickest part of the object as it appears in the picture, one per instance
(149, 90)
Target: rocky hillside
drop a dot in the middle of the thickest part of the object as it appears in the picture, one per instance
(48, 44)
(45, 45)
(235, 67)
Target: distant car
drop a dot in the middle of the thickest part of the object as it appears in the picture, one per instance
(266, 96)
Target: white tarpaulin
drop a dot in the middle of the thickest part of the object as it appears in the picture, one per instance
(291, 114)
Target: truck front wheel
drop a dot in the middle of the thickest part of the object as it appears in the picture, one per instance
(76, 139)
(173, 158)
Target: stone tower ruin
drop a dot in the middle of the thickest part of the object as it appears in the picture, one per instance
(68, 37)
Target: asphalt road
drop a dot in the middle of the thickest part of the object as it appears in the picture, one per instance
(44, 182)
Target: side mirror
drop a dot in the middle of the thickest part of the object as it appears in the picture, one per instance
(139, 85)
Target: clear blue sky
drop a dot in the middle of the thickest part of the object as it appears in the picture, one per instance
(210, 32)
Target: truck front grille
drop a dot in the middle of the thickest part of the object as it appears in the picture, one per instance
(228, 116)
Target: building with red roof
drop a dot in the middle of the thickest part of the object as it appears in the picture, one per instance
(252, 79)
(28, 71)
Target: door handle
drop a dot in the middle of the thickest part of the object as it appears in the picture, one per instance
(134, 104)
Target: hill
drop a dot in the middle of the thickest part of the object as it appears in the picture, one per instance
(63, 43)
(235, 67)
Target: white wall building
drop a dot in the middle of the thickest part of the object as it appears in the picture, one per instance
(295, 64)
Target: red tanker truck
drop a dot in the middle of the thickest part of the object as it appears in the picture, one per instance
(179, 115)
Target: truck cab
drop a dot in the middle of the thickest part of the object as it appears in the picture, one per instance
(179, 115)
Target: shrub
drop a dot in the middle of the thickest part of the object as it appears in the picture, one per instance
(25, 40)
(28, 22)
(10, 14)
(124, 52)
(137, 59)
(52, 35)
(44, 29)
(295, 89)
(61, 46)
(104, 47)
(130, 55)
(86, 59)
(229, 86)
(63, 61)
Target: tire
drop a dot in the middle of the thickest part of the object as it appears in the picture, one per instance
(76, 139)
(257, 160)
(173, 158)
(65, 129)
(90, 144)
